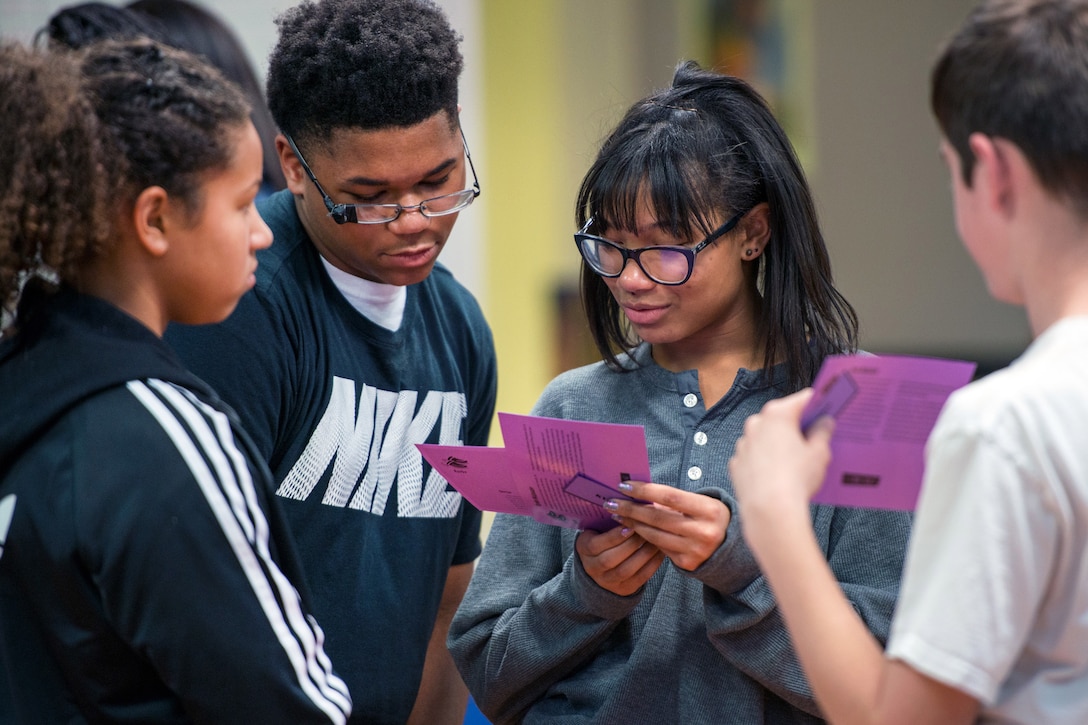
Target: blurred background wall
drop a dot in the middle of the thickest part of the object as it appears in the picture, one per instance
(546, 79)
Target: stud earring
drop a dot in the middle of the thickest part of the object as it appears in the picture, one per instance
(749, 252)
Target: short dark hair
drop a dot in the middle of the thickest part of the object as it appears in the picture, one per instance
(709, 147)
(362, 64)
(1018, 70)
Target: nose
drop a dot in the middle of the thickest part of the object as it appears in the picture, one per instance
(410, 220)
(632, 278)
(260, 233)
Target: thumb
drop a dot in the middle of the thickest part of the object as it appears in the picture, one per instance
(821, 430)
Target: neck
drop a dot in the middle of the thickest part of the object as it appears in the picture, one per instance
(717, 356)
(1063, 295)
(1054, 277)
(712, 353)
(109, 279)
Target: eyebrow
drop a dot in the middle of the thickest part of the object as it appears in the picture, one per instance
(657, 226)
(368, 181)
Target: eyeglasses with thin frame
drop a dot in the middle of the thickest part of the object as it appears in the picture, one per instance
(385, 213)
(664, 264)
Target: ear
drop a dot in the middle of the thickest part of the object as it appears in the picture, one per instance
(991, 176)
(149, 218)
(1021, 178)
(292, 168)
(755, 232)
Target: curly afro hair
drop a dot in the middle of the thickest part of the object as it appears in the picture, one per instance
(364, 64)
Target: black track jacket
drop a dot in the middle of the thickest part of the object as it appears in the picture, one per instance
(146, 573)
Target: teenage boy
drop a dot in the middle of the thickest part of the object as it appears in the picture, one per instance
(992, 622)
(354, 345)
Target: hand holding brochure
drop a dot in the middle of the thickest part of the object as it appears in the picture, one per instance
(884, 409)
(559, 472)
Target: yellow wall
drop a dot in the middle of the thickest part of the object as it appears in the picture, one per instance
(558, 74)
(526, 213)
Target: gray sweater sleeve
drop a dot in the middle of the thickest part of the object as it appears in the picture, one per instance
(522, 628)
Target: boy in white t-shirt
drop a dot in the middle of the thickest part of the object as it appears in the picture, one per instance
(992, 622)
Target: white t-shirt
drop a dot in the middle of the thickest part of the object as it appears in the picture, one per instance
(382, 304)
(994, 598)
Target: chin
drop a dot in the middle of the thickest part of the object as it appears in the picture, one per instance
(404, 278)
(1007, 293)
(213, 317)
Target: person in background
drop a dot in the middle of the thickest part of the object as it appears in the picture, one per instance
(992, 626)
(357, 344)
(146, 571)
(75, 26)
(198, 30)
(708, 290)
(182, 25)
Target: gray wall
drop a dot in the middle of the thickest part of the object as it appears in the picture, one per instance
(858, 95)
(883, 191)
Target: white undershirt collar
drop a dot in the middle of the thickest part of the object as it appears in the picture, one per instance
(382, 304)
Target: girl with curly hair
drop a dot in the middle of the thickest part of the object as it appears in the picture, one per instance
(145, 570)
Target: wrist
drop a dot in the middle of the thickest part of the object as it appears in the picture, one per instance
(771, 518)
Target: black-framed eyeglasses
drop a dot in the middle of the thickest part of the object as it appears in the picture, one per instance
(666, 264)
(385, 213)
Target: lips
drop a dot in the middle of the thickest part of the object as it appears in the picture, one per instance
(644, 314)
(416, 256)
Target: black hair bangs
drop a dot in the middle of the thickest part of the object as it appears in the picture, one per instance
(654, 166)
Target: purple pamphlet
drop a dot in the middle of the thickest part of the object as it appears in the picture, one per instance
(559, 472)
(884, 409)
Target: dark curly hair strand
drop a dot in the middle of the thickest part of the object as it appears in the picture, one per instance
(52, 186)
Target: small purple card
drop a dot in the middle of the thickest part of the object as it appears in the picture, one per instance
(593, 491)
(830, 399)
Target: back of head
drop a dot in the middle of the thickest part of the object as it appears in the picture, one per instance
(160, 117)
(190, 27)
(76, 26)
(362, 64)
(1018, 70)
(166, 116)
(707, 148)
(52, 192)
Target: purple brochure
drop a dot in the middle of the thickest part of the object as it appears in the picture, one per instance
(884, 409)
(557, 471)
(479, 473)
